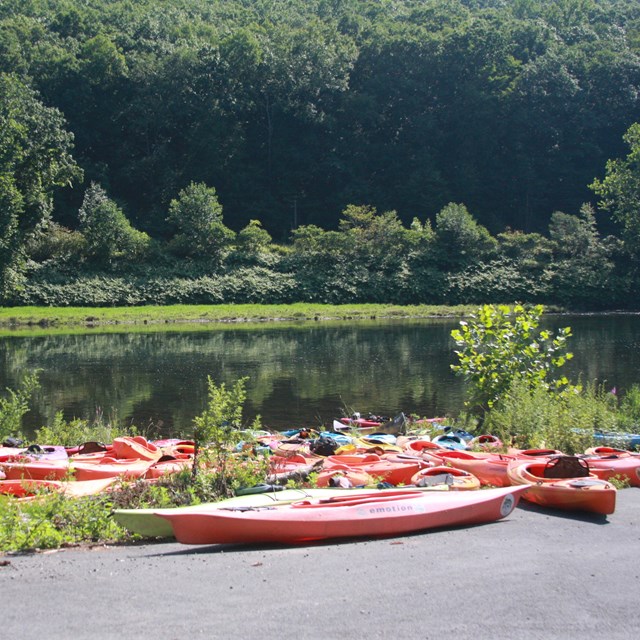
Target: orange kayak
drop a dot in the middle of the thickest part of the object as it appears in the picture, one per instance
(363, 516)
(533, 453)
(40, 470)
(581, 493)
(489, 468)
(382, 470)
(608, 451)
(343, 476)
(136, 448)
(457, 479)
(111, 468)
(163, 467)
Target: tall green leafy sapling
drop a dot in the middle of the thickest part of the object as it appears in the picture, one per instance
(216, 428)
(499, 345)
(14, 405)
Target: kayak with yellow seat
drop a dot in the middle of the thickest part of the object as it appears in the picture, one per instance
(456, 479)
(399, 513)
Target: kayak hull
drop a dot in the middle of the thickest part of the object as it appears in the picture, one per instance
(147, 522)
(376, 516)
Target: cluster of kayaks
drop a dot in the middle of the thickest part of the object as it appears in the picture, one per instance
(26, 472)
(365, 482)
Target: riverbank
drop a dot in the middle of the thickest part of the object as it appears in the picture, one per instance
(16, 317)
(502, 580)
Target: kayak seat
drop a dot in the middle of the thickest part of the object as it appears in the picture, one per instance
(566, 467)
(92, 447)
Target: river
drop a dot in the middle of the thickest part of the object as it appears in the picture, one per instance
(298, 374)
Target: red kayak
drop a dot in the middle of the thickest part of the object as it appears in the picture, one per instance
(616, 465)
(397, 513)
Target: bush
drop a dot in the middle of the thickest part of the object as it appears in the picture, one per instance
(197, 215)
(53, 520)
(629, 411)
(500, 345)
(58, 244)
(503, 281)
(108, 233)
(534, 418)
(77, 431)
(15, 405)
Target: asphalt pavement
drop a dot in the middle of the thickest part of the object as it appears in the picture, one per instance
(536, 574)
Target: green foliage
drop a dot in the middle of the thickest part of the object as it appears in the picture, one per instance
(56, 244)
(499, 345)
(244, 284)
(305, 109)
(459, 239)
(501, 281)
(216, 428)
(574, 236)
(619, 481)
(35, 157)
(197, 214)
(253, 239)
(75, 432)
(107, 232)
(53, 520)
(530, 251)
(531, 417)
(14, 405)
(620, 190)
(629, 408)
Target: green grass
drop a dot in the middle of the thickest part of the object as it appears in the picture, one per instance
(51, 317)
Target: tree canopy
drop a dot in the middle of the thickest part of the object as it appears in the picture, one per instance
(35, 157)
(309, 105)
(428, 138)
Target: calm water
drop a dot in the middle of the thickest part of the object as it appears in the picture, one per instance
(298, 375)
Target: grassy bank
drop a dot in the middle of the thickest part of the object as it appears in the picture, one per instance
(224, 313)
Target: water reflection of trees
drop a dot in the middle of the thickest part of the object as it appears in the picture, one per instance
(303, 375)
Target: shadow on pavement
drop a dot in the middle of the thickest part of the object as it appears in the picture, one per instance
(579, 516)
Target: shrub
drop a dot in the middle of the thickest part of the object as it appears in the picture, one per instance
(108, 233)
(216, 432)
(533, 418)
(197, 215)
(629, 413)
(15, 405)
(500, 345)
(78, 431)
(53, 520)
(57, 243)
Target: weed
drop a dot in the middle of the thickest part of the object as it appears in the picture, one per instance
(78, 431)
(534, 418)
(15, 405)
(619, 481)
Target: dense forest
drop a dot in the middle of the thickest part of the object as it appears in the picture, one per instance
(327, 150)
